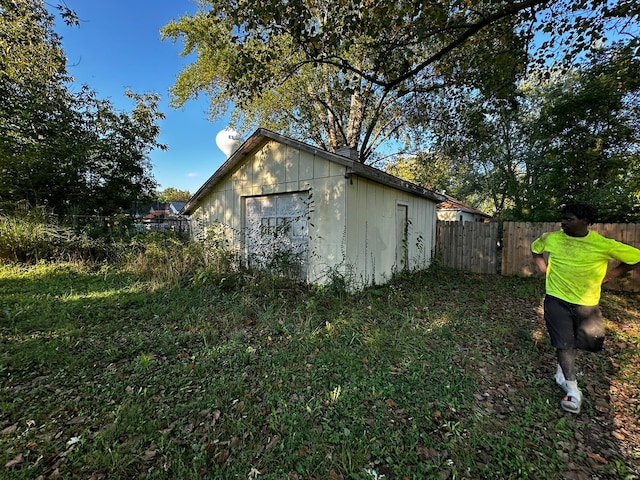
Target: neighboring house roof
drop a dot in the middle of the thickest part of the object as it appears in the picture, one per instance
(175, 207)
(451, 204)
(155, 214)
(352, 167)
(158, 206)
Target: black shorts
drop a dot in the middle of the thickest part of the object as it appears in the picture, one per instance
(573, 326)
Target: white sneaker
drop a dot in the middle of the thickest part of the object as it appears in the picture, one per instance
(573, 399)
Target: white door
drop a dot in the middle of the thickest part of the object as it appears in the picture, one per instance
(277, 233)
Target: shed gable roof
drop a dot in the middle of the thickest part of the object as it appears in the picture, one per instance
(261, 136)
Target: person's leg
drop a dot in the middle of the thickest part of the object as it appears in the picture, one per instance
(589, 336)
(559, 377)
(573, 398)
(589, 328)
(560, 317)
(567, 361)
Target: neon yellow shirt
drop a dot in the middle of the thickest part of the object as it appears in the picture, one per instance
(577, 265)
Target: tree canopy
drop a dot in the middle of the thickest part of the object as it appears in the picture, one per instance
(573, 136)
(171, 194)
(496, 101)
(362, 73)
(66, 150)
(342, 73)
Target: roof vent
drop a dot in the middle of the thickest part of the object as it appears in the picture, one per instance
(349, 152)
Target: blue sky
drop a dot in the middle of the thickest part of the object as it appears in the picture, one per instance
(117, 46)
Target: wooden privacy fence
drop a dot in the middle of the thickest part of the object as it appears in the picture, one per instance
(468, 246)
(477, 248)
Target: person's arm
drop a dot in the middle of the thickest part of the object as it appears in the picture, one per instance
(540, 262)
(619, 269)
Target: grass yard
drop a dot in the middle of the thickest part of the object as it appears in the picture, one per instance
(439, 375)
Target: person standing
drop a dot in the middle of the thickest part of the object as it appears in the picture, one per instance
(577, 266)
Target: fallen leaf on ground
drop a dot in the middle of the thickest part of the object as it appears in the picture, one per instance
(149, 454)
(598, 458)
(73, 441)
(18, 460)
(221, 457)
(618, 435)
(426, 453)
(576, 475)
(272, 443)
(10, 429)
(602, 406)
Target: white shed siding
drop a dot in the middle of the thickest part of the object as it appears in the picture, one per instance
(279, 168)
(266, 172)
(327, 227)
(292, 165)
(371, 234)
(305, 165)
(422, 233)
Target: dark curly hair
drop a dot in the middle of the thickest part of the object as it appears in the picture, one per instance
(581, 210)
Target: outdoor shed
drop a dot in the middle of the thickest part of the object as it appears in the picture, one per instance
(277, 201)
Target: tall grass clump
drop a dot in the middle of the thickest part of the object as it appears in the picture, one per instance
(31, 237)
(33, 234)
(164, 258)
(171, 259)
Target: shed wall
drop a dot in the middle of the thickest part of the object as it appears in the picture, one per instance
(371, 234)
(274, 169)
(352, 220)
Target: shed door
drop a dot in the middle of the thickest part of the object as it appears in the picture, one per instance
(402, 226)
(277, 233)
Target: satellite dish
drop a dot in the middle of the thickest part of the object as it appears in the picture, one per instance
(228, 141)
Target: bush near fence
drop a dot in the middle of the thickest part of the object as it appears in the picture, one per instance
(478, 247)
